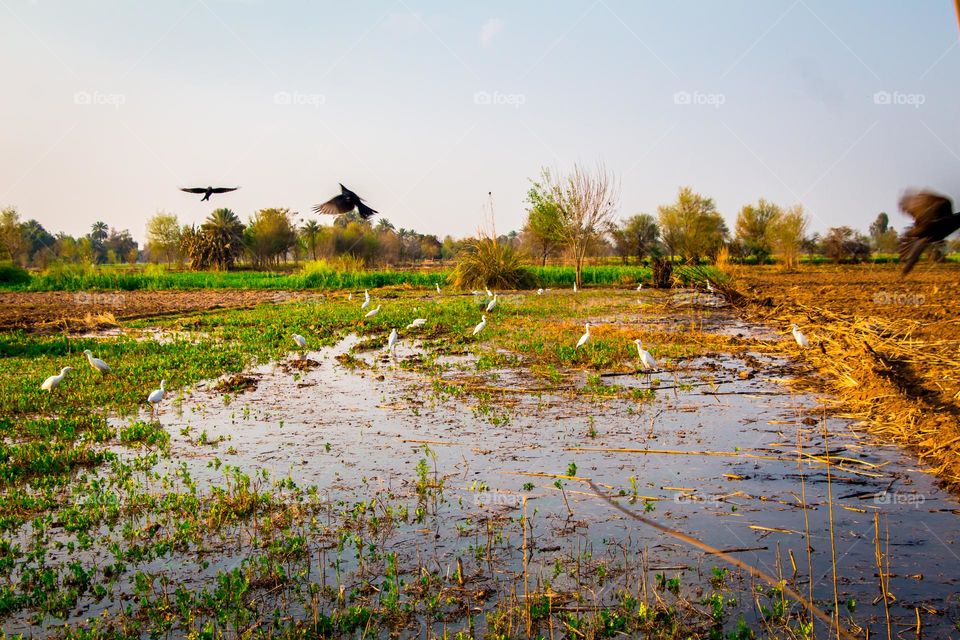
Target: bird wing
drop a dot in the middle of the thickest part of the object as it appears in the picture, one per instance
(928, 210)
(223, 189)
(194, 189)
(364, 211)
(334, 206)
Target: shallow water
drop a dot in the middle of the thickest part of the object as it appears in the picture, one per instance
(721, 435)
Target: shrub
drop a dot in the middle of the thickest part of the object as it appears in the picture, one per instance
(487, 263)
(11, 274)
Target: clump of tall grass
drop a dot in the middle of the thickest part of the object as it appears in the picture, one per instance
(484, 262)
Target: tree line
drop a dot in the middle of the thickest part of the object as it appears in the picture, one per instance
(569, 217)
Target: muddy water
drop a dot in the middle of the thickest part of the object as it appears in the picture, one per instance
(712, 451)
(722, 465)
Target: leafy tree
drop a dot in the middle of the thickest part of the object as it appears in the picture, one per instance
(269, 236)
(843, 244)
(13, 243)
(636, 236)
(753, 228)
(120, 245)
(543, 231)
(163, 237)
(883, 237)
(786, 234)
(586, 201)
(692, 227)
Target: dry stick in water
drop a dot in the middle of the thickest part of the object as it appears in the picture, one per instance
(833, 545)
(880, 570)
(726, 557)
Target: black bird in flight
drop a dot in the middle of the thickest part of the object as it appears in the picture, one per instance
(934, 220)
(344, 203)
(208, 191)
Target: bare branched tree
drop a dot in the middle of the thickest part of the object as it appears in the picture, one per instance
(586, 200)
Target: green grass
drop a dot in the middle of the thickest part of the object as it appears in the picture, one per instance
(156, 279)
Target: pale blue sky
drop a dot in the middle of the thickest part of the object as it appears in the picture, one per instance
(287, 99)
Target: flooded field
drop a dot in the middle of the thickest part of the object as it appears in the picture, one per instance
(443, 489)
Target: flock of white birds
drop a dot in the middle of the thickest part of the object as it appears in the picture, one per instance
(647, 362)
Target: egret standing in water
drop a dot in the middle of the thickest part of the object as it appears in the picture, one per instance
(639, 286)
(799, 337)
(483, 323)
(53, 382)
(156, 396)
(366, 300)
(646, 360)
(492, 304)
(97, 363)
(392, 342)
(584, 337)
(489, 293)
(372, 312)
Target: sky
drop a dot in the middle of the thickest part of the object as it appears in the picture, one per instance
(110, 106)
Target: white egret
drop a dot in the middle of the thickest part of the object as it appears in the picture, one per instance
(574, 287)
(419, 322)
(483, 323)
(639, 286)
(52, 382)
(156, 396)
(96, 363)
(709, 286)
(475, 292)
(491, 304)
(489, 293)
(586, 336)
(799, 337)
(300, 340)
(349, 296)
(539, 292)
(366, 300)
(392, 342)
(646, 359)
(438, 286)
(372, 312)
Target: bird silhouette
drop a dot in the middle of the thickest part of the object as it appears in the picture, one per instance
(934, 220)
(344, 203)
(208, 191)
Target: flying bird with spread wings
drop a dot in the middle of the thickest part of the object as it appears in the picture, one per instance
(934, 220)
(208, 191)
(346, 202)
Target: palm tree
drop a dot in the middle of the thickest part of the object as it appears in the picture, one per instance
(98, 231)
(383, 225)
(309, 233)
(223, 235)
